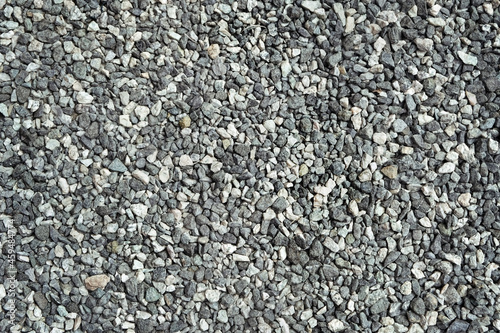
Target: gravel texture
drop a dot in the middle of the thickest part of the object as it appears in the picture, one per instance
(250, 166)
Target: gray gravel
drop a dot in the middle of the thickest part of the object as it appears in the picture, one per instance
(250, 166)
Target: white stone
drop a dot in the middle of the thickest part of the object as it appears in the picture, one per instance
(425, 222)
(467, 58)
(380, 138)
(331, 244)
(453, 258)
(52, 144)
(339, 10)
(349, 26)
(336, 325)
(63, 185)
(416, 328)
(270, 125)
(212, 295)
(464, 199)
(240, 257)
(286, 68)
(185, 161)
(141, 112)
(424, 44)
(3, 293)
(3, 110)
(141, 175)
(204, 325)
(213, 51)
(448, 167)
(437, 21)
(365, 176)
(124, 120)
(353, 208)
(164, 174)
(311, 5)
(83, 98)
(406, 288)
(379, 44)
(140, 210)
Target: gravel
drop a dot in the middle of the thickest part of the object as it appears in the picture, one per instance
(250, 166)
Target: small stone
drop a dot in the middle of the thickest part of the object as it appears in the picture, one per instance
(311, 5)
(139, 210)
(185, 161)
(270, 125)
(303, 170)
(164, 174)
(418, 305)
(464, 199)
(406, 288)
(124, 120)
(458, 326)
(296, 102)
(141, 175)
(336, 325)
(42, 232)
(222, 316)
(467, 58)
(365, 176)
(399, 125)
(4, 110)
(84, 98)
(305, 125)
(448, 167)
(152, 295)
(212, 295)
(96, 281)
(52, 144)
(117, 166)
(23, 94)
(390, 171)
(286, 68)
(185, 122)
(141, 112)
(40, 300)
(424, 44)
(350, 25)
(380, 138)
(213, 51)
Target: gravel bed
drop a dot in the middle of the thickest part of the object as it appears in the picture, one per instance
(250, 166)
